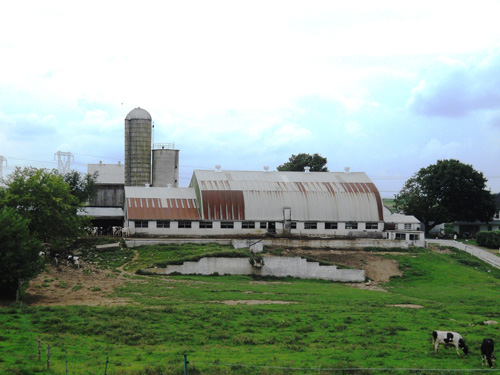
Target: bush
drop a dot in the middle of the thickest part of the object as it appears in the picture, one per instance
(489, 239)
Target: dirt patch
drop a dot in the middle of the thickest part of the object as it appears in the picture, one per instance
(67, 285)
(407, 306)
(377, 268)
(256, 302)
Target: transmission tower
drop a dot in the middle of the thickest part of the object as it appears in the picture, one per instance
(2, 159)
(64, 161)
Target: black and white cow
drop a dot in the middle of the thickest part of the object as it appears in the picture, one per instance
(487, 348)
(74, 260)
(447, 338)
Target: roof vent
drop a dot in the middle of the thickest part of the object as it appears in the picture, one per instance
(119, 162)
(307, 169)
(266, 168)
(347, 169)
(100, 162)
(147, 186)
(217, 168)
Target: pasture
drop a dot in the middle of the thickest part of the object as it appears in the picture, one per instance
(244, 325)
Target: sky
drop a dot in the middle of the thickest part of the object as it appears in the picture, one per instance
(383, 87)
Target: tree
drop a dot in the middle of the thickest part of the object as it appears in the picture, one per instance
(445, 192)
(83, 187)
(45, 200)
(19, 253)
(297, 163)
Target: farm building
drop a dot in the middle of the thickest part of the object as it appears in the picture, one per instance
(250, 203)
(144, 191)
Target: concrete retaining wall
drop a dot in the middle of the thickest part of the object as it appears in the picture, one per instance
(273, 266)
(257, 244)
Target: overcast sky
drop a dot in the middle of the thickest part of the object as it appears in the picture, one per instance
(381, 87)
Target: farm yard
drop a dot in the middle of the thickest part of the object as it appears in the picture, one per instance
(105, 317)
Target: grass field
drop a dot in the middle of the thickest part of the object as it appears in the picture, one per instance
(244, 325)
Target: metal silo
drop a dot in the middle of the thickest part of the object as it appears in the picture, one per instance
(165, 165)
(138, 125)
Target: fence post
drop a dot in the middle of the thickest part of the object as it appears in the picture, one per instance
(66, 355)
(39, 348)
(185, 364)
(106, 368)
(48, 357)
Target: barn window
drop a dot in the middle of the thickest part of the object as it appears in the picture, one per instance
(163, 224)
(351, 225)
(141, 223)
(371, 226)
(400, 236)
(310, 225)
(331, 225)
(206, 225)
(293, 225)
(248, 225)
(227, 224)
(407, 226)
(184, 224)
(263, 225)
(414, 237)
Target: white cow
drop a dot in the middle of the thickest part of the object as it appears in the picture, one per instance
(447, 338)
(126, 232)
(117, 231)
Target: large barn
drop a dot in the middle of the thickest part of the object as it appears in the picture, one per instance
(249, 203)
(236, 203)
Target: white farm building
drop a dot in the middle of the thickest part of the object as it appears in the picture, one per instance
(237, 204)
(254, 204)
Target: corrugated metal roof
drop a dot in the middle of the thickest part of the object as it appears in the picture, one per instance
(161, 203)
(108, 173)
(320, 196)
(389, 217)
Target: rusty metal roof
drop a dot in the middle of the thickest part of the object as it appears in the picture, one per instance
(320, 196)
(156, 203)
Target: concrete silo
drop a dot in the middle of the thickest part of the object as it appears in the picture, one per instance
(138, 127)
(165, 165)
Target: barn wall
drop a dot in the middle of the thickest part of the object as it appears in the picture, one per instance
(109, 196)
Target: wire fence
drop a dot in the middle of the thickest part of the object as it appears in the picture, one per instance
(58, 360)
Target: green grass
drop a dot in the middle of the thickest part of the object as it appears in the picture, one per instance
(324, 325)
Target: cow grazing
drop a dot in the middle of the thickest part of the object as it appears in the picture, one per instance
(74, 260)
(449, 339)
(487, 348)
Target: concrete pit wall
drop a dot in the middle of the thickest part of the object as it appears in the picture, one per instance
(273, 266)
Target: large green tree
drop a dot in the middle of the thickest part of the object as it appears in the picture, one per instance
(445, 192)
(43, 198)
(82, 186)
(19, 253)
(298, 162)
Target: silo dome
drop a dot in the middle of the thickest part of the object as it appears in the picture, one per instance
(138, 114)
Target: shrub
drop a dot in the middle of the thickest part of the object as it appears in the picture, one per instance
(489, 239)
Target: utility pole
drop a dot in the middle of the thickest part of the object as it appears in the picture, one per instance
(64, 161)
(2, 159)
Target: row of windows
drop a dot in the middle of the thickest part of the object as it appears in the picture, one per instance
(251, 225)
